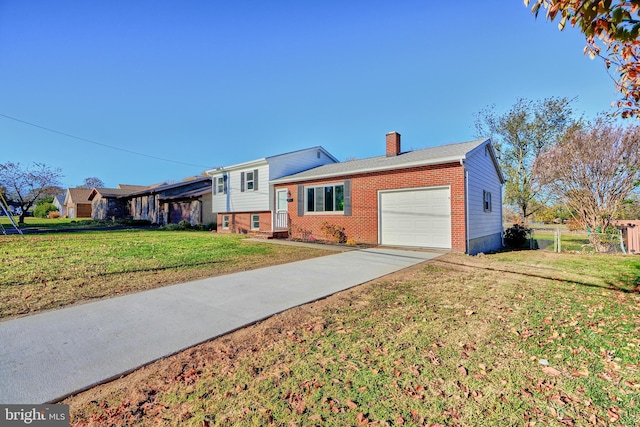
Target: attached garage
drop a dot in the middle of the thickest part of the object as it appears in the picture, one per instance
(447, 197)
(416, 217)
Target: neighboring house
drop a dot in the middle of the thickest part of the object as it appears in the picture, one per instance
(111, 203)
(243, 196)
(58, 202)
(447, 197)
(77, 203)
(189, 200)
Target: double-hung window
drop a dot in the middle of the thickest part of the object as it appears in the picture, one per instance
(225, 222)
(221, 185)
(249, 180)
(326, 198)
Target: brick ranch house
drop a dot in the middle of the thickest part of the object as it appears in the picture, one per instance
(447, 197)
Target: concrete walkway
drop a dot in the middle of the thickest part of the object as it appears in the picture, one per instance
(48, 356)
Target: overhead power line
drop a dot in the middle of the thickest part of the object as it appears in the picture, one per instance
(100, 143)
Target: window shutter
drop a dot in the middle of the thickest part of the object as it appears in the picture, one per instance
(225, 179)
(255, 180)
(300, 200)
(215, 185)
(347, 197)
(241, 181)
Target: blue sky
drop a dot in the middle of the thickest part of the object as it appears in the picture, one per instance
(212, 83)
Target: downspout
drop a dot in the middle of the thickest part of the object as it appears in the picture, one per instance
(501, 214)
(466, 206)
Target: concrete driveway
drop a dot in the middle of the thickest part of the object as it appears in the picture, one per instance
(46, 357)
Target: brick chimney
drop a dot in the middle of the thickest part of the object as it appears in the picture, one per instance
(393, 144)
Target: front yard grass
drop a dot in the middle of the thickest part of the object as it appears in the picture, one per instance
(45, 271)
(522, 338)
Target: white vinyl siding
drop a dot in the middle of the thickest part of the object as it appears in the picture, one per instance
(240, 198)
(416, 217)
(482, 179)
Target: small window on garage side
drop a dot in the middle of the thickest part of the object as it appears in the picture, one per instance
(225, 222)
(255, 222)
(486, 197)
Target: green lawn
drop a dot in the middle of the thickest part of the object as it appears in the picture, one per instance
(52, 270)
(521, 338)
(57, 223)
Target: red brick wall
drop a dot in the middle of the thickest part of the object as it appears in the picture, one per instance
(240, 222)
(362, 225)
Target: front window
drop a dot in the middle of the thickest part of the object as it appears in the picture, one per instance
(327, 198)
(255, 222)
(250, 180)
(225, 222)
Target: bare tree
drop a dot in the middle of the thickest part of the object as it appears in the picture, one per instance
(92, 182)
(520, 135)
(592, 170)
(25, 186)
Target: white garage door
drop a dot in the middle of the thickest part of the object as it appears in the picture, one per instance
(416, 218)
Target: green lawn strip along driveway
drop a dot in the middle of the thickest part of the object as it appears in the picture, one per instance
(516, 338)
(52, 270)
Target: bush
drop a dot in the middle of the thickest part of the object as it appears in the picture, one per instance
(516, 236)
(53, 215)
(334, 232)
(43, 209)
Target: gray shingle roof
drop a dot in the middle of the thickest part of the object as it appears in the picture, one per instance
(426, 156)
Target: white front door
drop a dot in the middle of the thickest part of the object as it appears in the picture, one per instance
(282, 210)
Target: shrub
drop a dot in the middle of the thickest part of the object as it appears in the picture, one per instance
(334, 232)
(53, 215)
(516, 236)
(43, 209)
(184, 224)
(351, 241)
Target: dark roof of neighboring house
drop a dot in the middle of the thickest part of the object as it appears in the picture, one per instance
(132, 187)
(165, 187)
(427, 156)
(189, 194)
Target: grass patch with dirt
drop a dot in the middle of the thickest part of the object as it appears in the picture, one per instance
(521, 338)
(45, 271)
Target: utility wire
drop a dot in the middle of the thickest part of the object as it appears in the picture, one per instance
(101, 144)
